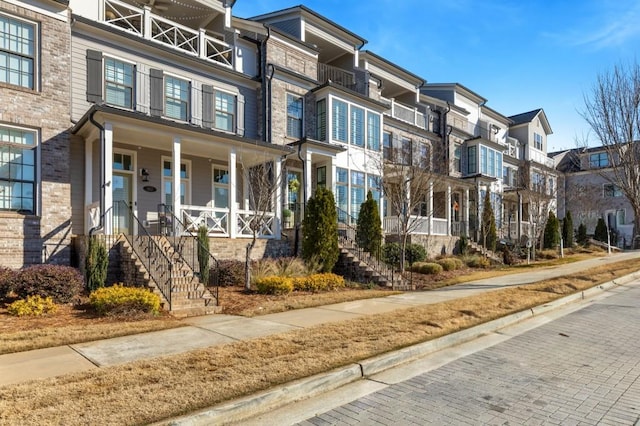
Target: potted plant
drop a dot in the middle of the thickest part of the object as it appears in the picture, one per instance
(286, 215)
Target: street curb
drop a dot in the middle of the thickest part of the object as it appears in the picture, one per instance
(262, 402)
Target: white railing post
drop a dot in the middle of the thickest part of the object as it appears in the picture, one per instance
(146, 30)
(202, 44)
(233, 183)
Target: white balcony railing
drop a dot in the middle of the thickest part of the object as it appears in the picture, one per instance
(408, 114)
(150, 26)
(417, 225)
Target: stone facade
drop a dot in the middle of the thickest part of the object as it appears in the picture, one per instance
(44, 236)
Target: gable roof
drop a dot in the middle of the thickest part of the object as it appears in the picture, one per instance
(527, 117)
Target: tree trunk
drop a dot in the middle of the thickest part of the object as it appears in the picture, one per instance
(247, 264)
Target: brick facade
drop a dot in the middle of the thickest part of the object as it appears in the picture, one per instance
(45, 236)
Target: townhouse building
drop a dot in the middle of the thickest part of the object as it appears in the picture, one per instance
(35, 190)
(170, 106)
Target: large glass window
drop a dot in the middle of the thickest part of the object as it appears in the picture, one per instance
(342, 193)
(17, 170)
(167, 182)
(404, 156)
(457, 164)
(176, 100)
(220, 187)
(598, 160)
(357, 126)
(339, 120)
(294, 116)
(373, 131)
(373, 184)
(321, 119)
(17, 52)
(472, 160)
(387, 146)
(119, 82)
(225, 111)
(357, 192)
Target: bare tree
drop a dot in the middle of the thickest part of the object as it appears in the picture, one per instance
(407, 183)
(612, 110)
(262, 182)
(540, 194)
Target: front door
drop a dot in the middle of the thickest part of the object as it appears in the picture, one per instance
(122, 203)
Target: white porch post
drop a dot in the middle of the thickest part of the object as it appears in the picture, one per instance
(88, 184)
(233, 184)
(307, 172)
(466, 212)
(430, 212)
(146, 17)
(108, 177)
(175, 167)
(277, 220)
(519, 217)
(449, 210)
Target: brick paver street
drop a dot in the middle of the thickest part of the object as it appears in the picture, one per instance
(580, 369)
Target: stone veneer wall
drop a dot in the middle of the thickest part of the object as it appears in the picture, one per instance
(32, 239)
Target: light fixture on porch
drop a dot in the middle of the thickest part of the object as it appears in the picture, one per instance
(145, 175)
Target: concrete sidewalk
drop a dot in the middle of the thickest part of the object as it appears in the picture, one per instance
(221, 329)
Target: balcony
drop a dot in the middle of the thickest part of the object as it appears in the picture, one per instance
(408, 114)
(142, 22)
(341, 77)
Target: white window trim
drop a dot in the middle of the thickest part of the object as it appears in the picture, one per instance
(37, 178)
(215, 185)
(236, 95)
(302, 127)
(189, 92)
(365, 126)
(136, 83)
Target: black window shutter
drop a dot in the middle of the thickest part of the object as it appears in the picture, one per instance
(157, 92)
(207, 106)
(94, 76)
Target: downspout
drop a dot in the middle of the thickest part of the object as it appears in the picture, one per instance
(266, 88)
(296, 242)
(102, 173)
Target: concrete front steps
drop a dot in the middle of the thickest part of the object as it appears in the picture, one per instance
(189, 297)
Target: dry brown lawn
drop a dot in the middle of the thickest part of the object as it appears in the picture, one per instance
(152, 390)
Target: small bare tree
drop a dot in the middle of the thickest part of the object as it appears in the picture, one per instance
(262, 182)
(612, 110)
(540, 193)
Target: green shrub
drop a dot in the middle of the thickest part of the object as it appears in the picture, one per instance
(230, 272)
(320, 229)
(62, 283)
(449, 263)
(32, 306)
(477, 262)
(430, 268)
(581, 236)
(318, 282)
(203, 254)
(415, 253)
(7, 278)
(600, 233)
(412, 253)
(369, 226)
(96, 264)
(263, 268)
(551, 232)
(274, 285)
(121, 300)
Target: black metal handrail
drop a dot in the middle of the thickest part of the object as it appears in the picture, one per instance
(186, 245)
(347, 236)
(149, 252)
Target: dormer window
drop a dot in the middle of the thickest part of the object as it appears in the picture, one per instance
(537, 141)
(598, 160)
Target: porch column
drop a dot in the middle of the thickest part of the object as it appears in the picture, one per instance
(519, 217)
(449, 210)
(175, 167)
(233, 184)
(430, 209)
(478, 213)
(465, 214)
(146, 17)
(88, 184)
(307, 177)
(277, 220)
(108, 178)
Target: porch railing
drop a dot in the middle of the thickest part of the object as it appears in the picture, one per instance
(148, 25)
(408, 114)
(186, 244)
(215, 219)
(146, 247)
(417, 225)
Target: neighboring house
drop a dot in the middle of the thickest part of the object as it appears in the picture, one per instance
(35, 193)
(585, 191)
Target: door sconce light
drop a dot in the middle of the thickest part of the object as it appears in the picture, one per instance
(145, 175)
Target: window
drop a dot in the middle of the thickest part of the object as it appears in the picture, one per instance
(357, 126)
(17, 52)
(423, 156)
(387, 146)
(167, 182)
(321, 177)
(118, 82)
(321, 120)
(551, 186)
(339, 120)
(357, 192)
(373, 183)
(17, 170)
(404, 156)
(373, 131)
(483, 160)
(472, 160)
(122, 162)
(457, 164)
(537, 141)
(342, 195)
(598, 160)
(225, 111)
(490, 162)
(176, 96)
(294, 116)
(220, 187)
(506, 173)
(611, 190)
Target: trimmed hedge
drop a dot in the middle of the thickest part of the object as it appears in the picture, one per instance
(477, 262)
(62, 283)
(7, 278)
(450, 263)
(274, 285)
(121, 300)
(318, 282)
(32, 306)
(230, 272)
(430, 268)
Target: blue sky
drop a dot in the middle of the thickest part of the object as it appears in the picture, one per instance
(520, 55)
